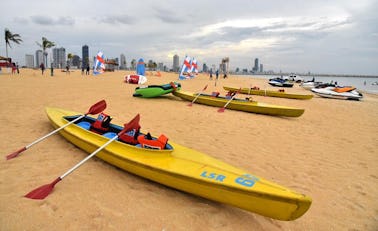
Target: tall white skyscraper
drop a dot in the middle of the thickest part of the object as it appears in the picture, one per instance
(59, 57)
(38, 58)
(29, 61)
(122, 64)
(176, 64)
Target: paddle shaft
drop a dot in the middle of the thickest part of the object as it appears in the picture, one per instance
(229, 101)
(224, 107)
(53, 132)
(88, 157)
(198, 95)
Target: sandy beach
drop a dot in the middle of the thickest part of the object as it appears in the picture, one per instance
(330, 153)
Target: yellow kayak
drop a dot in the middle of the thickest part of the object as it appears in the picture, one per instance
(187, 170)
(241, 104)
(280, 94)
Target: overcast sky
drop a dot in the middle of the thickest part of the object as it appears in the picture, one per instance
(333, 36)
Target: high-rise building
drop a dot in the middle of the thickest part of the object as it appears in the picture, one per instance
(59, 57)
(176, 65)
(122, 64)
(204, 68)
(160, 66)
(38, 58)
(85, 56)
(261, 68)
(29, 61)
(256, 67)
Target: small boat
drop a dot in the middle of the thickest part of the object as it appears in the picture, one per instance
(183, 168)
(295, 78)
(135, 79)
(151, 91)
(338, 92)
(279, 82)
(308, 85)
(279, 93)
(240, 104)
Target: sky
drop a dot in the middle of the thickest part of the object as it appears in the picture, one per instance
(317, 36)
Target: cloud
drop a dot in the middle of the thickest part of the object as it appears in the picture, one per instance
(47, 21)
(117, 19)
(168, 16)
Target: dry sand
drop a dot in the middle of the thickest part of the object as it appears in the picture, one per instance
(329, 153)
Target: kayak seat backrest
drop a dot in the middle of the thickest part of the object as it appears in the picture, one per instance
(101, 124)
(130, 137)
(85, 125)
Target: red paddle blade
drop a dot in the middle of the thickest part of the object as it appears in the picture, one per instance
(15, 154)
(97, 108)
(221, 109)
(43, 191)
(173, 85)
(134, 123)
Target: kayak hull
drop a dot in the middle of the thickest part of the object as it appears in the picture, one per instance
(152, 91)
(279, 94)
(241, 105)
(189, 171)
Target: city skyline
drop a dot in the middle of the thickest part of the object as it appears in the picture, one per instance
(337, 37)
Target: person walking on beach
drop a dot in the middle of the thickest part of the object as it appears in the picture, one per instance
(211, 74)
(67, 69)
(216, 75)
(87, 72)
(42, 66)
(82, 70)
(13, 68)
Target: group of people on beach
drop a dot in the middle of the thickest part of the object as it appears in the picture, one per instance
(216, 74)
(43, 68)
(86, 70)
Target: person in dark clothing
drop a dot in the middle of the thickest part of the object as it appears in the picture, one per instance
(42, 66)
(87, 72)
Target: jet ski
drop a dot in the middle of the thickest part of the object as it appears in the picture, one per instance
(279, 82)
(350, 93)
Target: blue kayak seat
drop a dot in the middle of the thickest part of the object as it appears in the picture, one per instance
(85, 125)
(110, 135)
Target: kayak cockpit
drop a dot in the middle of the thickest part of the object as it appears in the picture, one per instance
(133, 137)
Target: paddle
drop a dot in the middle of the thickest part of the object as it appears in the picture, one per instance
(191, 103)
(173, 85)
(95, 109)
(43, 191)
(224, 107)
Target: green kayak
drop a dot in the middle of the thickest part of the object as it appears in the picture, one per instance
(152, 91)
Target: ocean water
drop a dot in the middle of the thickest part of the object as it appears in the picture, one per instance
(361, 83)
